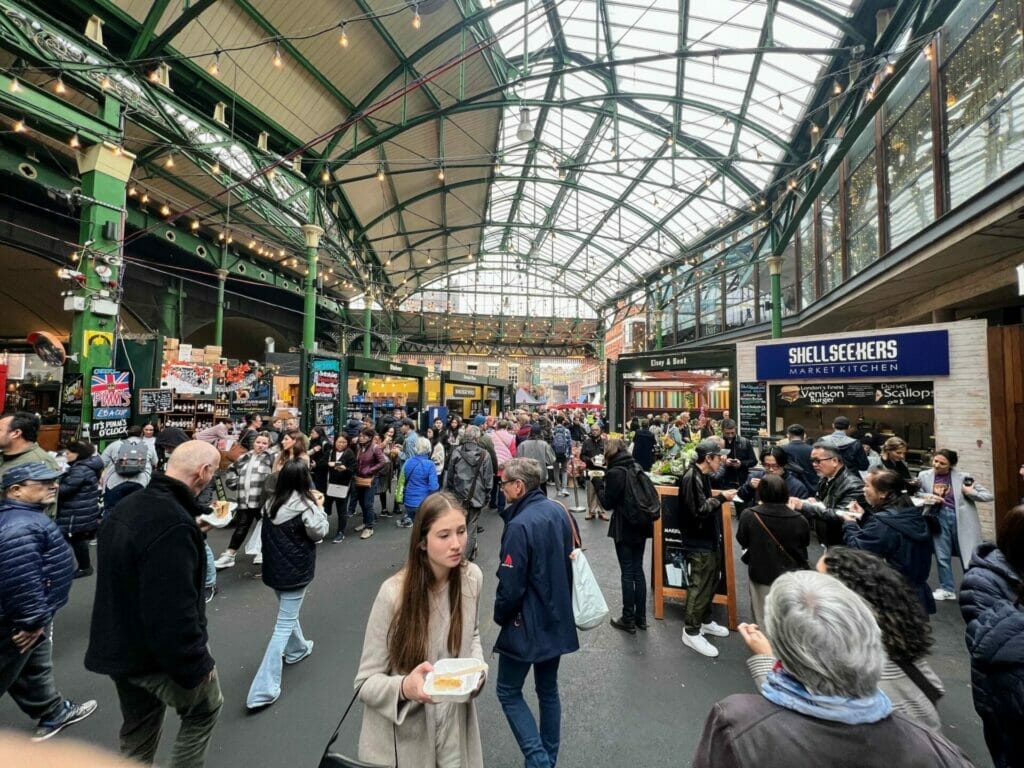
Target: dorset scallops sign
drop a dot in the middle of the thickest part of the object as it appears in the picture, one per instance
(922, 353)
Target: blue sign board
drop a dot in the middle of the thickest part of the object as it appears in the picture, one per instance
(922, 353)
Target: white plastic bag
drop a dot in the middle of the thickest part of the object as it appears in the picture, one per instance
(254, 544)
(588, 604)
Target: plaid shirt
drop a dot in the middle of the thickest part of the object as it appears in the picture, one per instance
(249, 495)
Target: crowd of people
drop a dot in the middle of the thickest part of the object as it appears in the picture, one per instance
(841, 634)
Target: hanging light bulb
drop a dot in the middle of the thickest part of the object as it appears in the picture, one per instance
(20, 127)
(837, 88)
(525, 130)
(165, 210)
(74, 142)
(380, 171)
(74, 257)
(145, 198)
(58, 87)
(169, 162)
(889, 66)
(15, 86)
(325, 176)
(497, 164)
(132, 191)
(278, 61)
(105, 82)
(215, 168)
(416, 20)
(194, 226)
(343, 40)
(214, 68)
(440, 173)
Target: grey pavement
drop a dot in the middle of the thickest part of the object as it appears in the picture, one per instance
(627, 700)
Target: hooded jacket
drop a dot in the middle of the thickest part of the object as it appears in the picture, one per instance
(469, 459)
(149, 614)
(899, 533)
(37, 567)
(78, 500)
(539, 451)
(850, 449)
(991, 605)
(289, 543)
(420, 480)
(533, 603)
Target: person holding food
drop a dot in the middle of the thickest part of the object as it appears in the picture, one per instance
(425, 612)
(953, 494)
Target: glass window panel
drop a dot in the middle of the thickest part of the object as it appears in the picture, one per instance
(740, 298)
(909, 171)
(711, 306)
(830, 269)
(685, 313)
(862, 188)
(985, 105)
(789, 303)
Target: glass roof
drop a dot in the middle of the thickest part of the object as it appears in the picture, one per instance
(634, 161)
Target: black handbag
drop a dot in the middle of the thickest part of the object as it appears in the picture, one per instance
(336, 759)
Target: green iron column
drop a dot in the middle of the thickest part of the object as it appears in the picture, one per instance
(367, 324)
(104, 170)
(658, 315)
(169, 312)
(313, 234)
(218, 320)
(775, 269)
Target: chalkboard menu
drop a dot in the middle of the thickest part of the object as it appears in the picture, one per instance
(753, 408)
(854, 393)
(673, 548)
(155, 401)
(71, 397)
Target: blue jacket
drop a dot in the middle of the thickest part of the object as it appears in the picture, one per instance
(990, 604)
(37, 567)
(420, 480)
(533, 605)
(78, 500)
(900, 535)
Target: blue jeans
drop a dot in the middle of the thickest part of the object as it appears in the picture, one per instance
(540, 748)
(410, 513)
(287, 642)
(211, 571)
(946, 545)
(364, 498)
(28, 678)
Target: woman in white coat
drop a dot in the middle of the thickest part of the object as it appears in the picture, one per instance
(425, 612)
(954, 494)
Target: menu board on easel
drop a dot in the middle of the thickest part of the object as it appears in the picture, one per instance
(753, 408)
(668, 561)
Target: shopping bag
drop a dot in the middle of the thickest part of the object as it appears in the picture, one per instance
(254, 544)
(400, 487)
(337, 490)
(588, 604)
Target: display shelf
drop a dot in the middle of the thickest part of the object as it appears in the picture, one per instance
(192, 412)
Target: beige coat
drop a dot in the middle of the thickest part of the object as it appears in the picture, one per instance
(414, 725)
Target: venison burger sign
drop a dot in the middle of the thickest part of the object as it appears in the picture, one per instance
(895, 354)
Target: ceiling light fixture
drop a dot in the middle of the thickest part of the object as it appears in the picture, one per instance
(74, 142)
(214, 68)
(15, 86)
(59, 86)
(325, 176)
(525, 130)
(278, 60)
(380, 172)
(416, 20)
(343, 39)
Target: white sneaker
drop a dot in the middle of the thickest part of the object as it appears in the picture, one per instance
(359, 527)
(226, 560)
(714, 629)
(367, 533)
(943, 594)
(563, 493)
(700, 644)
(258, 559)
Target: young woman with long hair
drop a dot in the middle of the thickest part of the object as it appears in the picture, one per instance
(319, 448)
(341, 467)
(292, 524)
(425, 612)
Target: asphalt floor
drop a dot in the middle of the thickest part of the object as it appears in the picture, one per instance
(627, 700)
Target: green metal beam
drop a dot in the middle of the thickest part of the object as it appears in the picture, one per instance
(153, 17)
(832, 17)
(37, 106)
(187, 16)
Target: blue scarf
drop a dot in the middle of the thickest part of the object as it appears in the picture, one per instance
(785, 690)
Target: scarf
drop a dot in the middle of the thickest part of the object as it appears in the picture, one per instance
(785, 690)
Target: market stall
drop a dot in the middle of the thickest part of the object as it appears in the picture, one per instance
(376, 388)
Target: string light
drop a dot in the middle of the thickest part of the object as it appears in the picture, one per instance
(837, 88)
(440, 174)
(278, 60)
(380, 172)
(132, 191)
(889, 66)
(58, 87)
(194, 226)
(169, 162)
(15, 86)
(74, 142)
(325, 176)
(165, 210)
(105, 83)
(214, 68)
(215, 168)
(416, 21)
(20, 127)
(145, 198)
(343, 40)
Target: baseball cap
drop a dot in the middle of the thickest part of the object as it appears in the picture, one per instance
(35, 470)
(709, 447)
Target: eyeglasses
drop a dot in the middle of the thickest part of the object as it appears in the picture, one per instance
(827, 458)
(44, 483)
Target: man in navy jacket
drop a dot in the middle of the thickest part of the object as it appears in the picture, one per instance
(533, 607)
(34, 583)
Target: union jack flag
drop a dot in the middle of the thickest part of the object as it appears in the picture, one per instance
(111, 389)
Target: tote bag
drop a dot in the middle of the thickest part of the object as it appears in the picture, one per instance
(337, 491)
(589, 607)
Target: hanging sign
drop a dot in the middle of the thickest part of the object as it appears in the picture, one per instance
(72, 395)
(325, 381)
(753, 408)
(923, 353)
(187, 378)
(111, 393)
(250, 388)
(849, 393)
(155, 401)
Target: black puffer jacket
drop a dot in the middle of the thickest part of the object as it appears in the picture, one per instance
(991, 605)
(611, 491)
(78, 500)
(289, 543)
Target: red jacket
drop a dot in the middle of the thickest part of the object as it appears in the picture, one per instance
(369, 460)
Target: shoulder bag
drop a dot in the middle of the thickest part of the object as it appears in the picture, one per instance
(910, 669)
(782, 549)
(336, 759)
(589, 608)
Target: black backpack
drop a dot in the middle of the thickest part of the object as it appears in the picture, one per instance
(132, 457)
(642, 503)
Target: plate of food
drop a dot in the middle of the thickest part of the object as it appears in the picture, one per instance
(454, 680)
(222, 513)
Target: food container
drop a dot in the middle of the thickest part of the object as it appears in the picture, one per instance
(447, 670)
(596, 473)
(216, 520)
